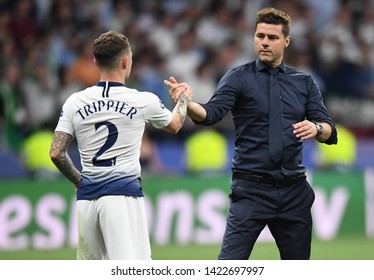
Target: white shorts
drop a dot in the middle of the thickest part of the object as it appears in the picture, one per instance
(113, 228)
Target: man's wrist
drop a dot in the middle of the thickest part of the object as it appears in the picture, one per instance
(319, 128)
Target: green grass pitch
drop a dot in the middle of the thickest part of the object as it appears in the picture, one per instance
(342, 248)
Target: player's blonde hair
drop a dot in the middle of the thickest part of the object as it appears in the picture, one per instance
(109, 47)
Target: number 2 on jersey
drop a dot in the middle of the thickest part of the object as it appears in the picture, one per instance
(112, 138)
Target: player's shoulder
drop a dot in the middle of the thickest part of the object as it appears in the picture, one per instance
(142, 95)
(80, 96)
(87, 92)
(243, 68)
(292, 71)
(75, 95)
(299, 75)
(238, 72)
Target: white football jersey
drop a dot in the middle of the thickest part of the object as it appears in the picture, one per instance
(108, 121)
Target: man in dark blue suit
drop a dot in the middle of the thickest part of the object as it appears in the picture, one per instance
(274, 108)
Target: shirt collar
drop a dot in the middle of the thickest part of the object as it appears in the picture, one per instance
(111, 84)
(262, 66)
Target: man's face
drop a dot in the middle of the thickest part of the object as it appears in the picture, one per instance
(269, 43)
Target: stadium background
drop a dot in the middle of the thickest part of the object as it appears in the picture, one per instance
(45, 56)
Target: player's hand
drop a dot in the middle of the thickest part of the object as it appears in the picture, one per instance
(177, 89)
(305, 130)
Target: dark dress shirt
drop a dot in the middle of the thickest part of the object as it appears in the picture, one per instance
(244, 90)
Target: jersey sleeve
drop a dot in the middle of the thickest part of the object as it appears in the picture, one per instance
(65, 122)
(155, 112)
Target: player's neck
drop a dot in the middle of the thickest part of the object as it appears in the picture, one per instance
(111, 77)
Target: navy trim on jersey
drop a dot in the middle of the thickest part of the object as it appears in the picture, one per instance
(107, 92)
(110, 84)
(106, 85)
(88, 189)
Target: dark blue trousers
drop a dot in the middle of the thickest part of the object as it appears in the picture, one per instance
(285, 210)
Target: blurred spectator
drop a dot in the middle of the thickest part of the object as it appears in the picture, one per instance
(243, 35)
(228, 57)
(39, 85)
(122, 14)
(22, 24)
(7, 41)
(346, 68)
(302, 22)
(164, 36)
(42, 7)
(302, 59)
(64, 39)
(152, 77)
(322, 14)
(150, 159)
(65, 87)
(13, 116)
(176, 6)
(202, 82)
(215, 28)
(188, 56)
(365, 28)
(40, 99)
(366, 71)
(83, 69)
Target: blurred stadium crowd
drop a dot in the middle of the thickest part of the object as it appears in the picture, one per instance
(45, 54)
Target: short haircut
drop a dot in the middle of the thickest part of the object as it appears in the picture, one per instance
(274, 16)
(109, 47)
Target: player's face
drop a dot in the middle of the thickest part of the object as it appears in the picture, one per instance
(269, 43)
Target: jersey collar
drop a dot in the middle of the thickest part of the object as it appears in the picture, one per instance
(110, 84)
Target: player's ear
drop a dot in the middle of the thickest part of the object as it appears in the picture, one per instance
(124, 61)
(287, 41)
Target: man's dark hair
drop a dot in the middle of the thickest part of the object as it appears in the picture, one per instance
(274, 16)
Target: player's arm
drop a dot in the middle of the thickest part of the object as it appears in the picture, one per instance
(60, 157)
(179, 112)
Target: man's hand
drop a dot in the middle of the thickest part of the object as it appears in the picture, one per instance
(305, 130)
(176, 89)
(195, 110)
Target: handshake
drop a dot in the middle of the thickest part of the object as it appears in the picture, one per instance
(178, 89)
(181, 95)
